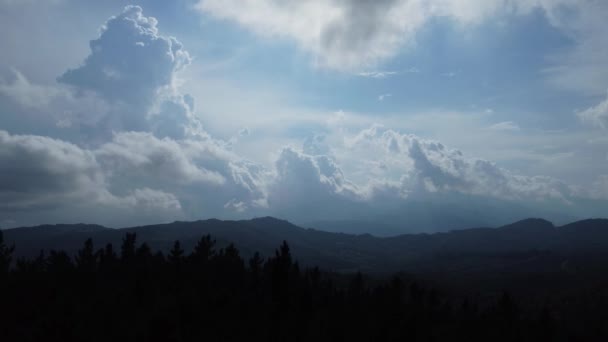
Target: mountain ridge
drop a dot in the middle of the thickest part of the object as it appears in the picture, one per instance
(338, 251)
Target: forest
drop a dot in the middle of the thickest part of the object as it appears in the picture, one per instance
(213, 294)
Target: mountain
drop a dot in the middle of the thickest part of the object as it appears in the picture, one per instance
(432, 214)
(528, 245)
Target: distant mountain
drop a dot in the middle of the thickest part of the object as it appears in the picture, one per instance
(527, 245)
(434, 214)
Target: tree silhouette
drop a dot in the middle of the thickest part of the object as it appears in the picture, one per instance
(127, 250)
(6, 253)
(86, 259)
(204, 250)
(176, 255)
(209, 295)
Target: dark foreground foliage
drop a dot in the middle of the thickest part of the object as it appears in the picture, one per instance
(137, 294)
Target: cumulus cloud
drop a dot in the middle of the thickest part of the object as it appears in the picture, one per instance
(298, 172)
(596, 115)
(52, 104)
(426, 166)
(133, 67)
(155, 160)
(306, 185)
(136, 156)
(135, 171)
(37, 172)
(153, 155)
(40, 173)
(192, 168)
(129, 61)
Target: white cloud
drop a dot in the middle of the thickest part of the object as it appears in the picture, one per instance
(142, 155)
(146, 198)
(155, 161)
(596, 115)
(54, 103)
(377, 74)
(382, 97)
(133, 68)
(130, 61)
(343, 35)
(505, 126)
(428, 166)
(350, 34)
(27, 94)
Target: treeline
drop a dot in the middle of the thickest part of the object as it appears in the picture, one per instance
(212, 294)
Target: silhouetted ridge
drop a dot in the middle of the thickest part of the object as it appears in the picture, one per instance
(587, 225)
(63, 228)
(536, 224)
(485, 248)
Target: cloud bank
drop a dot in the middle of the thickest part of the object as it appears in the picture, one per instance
(147, 157)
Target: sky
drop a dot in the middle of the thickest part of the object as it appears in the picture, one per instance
(127, 113)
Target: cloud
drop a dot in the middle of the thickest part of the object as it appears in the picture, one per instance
(130, 61)
(133, 68)
(425, 166)
(343, 35)
(51, 104)
(27, 94)
(40, 173)
(306, 184)
(382, 97)
(600, 188)
(377, 74)
(155, 162)
(584, 67)
(152, 151)
(192, 169)
(135, 171)
(128, 82)
(505, 126)
(351, 34)
(144, 155)
(596, 115)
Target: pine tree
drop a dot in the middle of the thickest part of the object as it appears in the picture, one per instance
(203, 251)
(6, 253)
(176, 254)
(127, 251)
(86, 259)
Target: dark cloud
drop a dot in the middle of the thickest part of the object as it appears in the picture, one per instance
(38, 172)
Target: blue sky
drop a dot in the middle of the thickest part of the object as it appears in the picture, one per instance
(269, 104)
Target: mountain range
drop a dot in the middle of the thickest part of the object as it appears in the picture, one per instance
(527, 246)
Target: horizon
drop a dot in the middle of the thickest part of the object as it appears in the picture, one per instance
(530, 220)
(408, 115)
